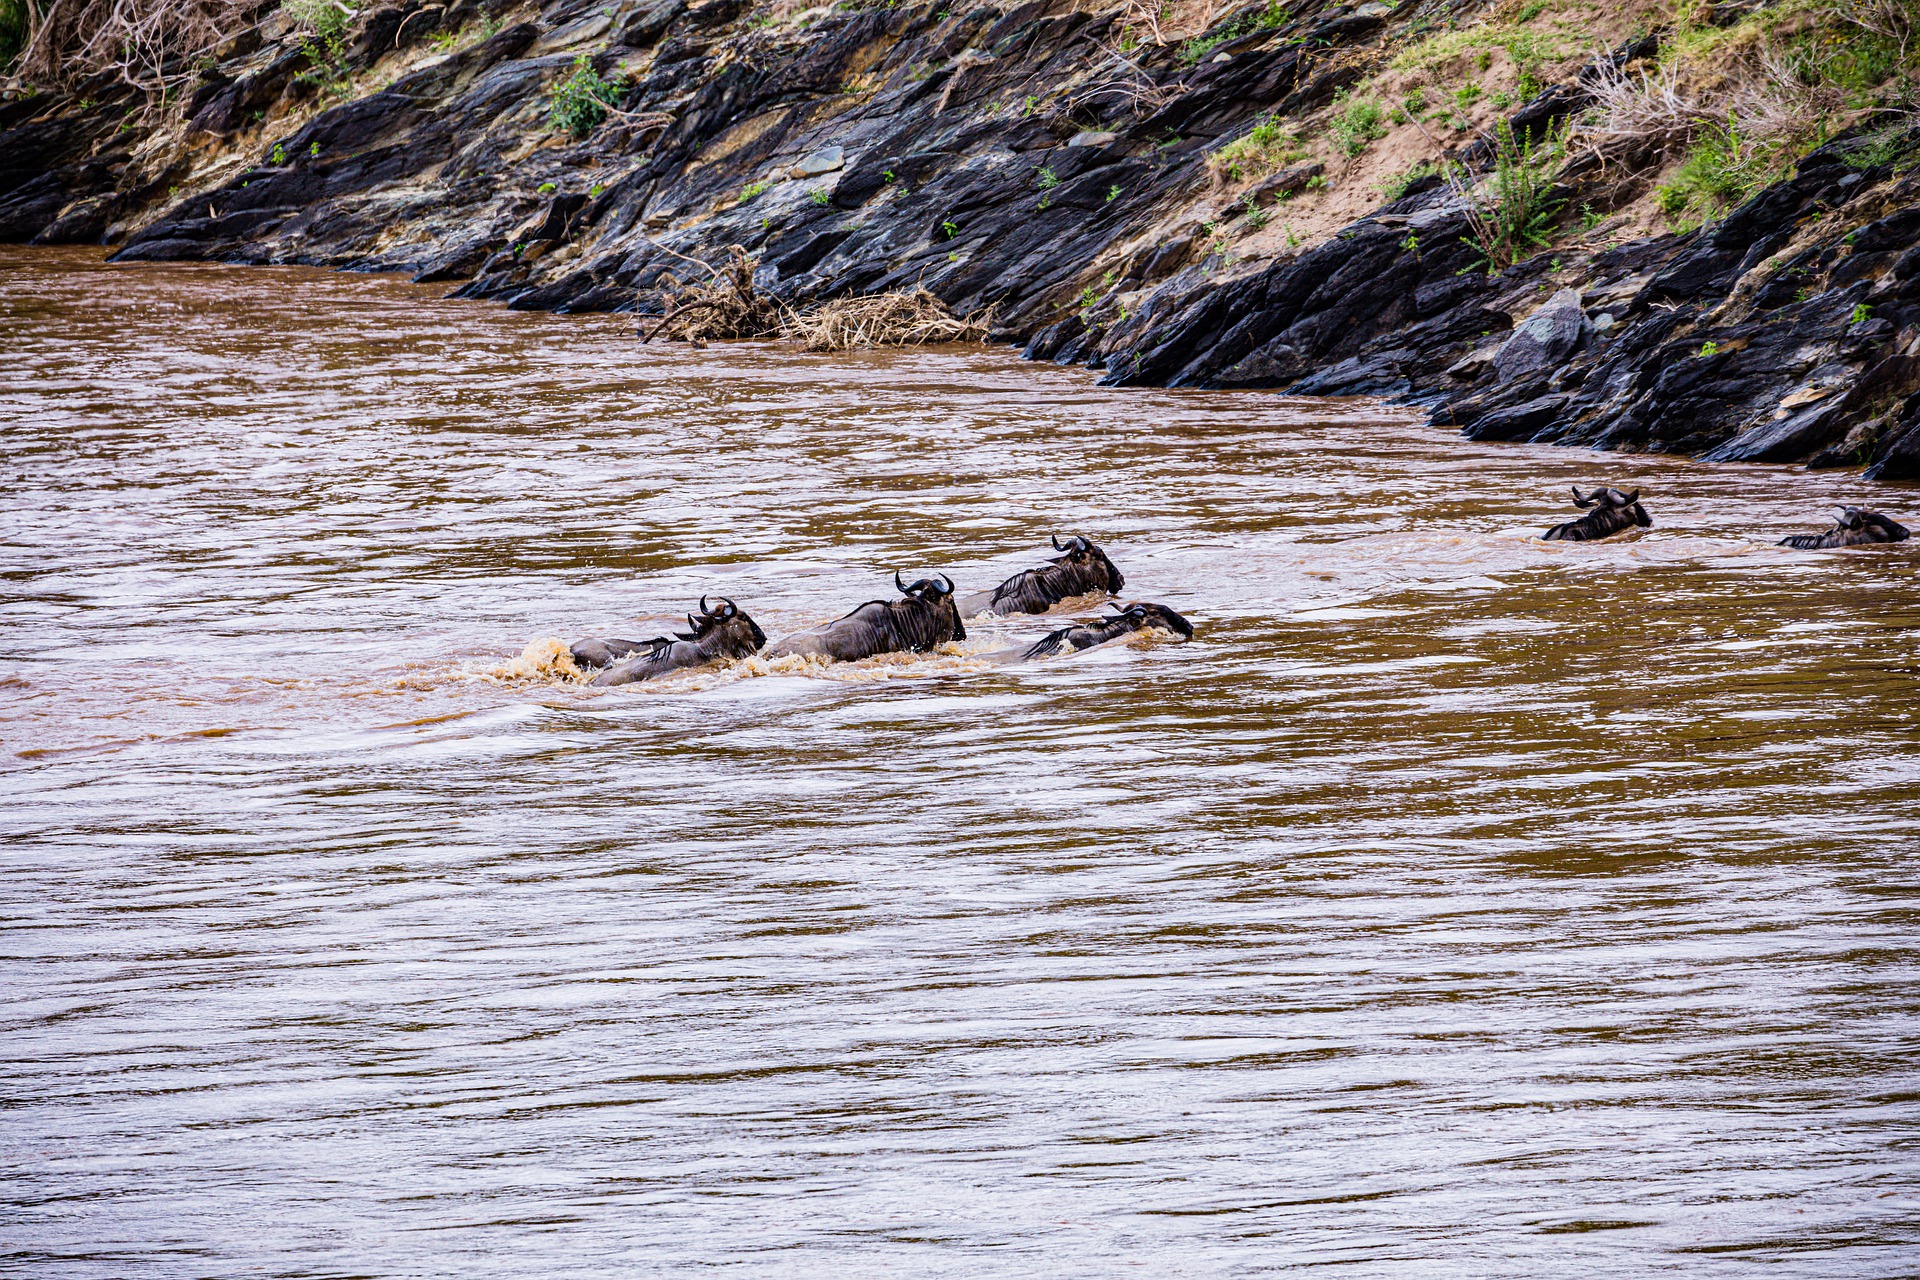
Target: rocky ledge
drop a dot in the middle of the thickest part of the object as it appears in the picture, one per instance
(1037, 162)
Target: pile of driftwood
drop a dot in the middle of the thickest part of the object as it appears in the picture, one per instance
(885, 320)
(727, 304)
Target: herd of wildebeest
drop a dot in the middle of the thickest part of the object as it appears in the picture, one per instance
(928, 614)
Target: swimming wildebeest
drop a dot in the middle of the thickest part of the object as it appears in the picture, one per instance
(1085, 635)
(1613, 512)
(924, 618)
(721, 631)
(1083, 569)
(1852, 527)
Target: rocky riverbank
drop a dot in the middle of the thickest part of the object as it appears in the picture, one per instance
(1283, 197)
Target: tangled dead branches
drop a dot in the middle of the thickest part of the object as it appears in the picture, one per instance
(729, 305)
(148, 44)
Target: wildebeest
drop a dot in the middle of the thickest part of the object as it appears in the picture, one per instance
(1083, 569)
(924, 618)
(1613, 512)
(1085, 635)
(721, 631)
(1852, 527)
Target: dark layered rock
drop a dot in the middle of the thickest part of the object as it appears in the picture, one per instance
(1004, 160)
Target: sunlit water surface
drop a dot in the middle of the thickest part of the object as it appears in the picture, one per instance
(1456, 904)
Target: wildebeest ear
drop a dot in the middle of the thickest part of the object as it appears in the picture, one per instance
(1852, 517)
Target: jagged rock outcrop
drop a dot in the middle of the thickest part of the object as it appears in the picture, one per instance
(1015, 159)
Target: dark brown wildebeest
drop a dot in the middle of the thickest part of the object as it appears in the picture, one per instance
(924, 618)
(1613, 512)
(1124, 622)
(1083, 569)
(1852, 527)
(720, 632)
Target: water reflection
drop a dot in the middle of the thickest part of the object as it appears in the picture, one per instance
(1454, 903)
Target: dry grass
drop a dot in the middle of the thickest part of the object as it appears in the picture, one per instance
(886, 320)
(729, 305)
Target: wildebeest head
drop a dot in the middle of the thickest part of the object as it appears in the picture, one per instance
(1140, 616)
(1852, 527)
(725, 628)
(937, 595)
(1860, 520)
(1604, 496)
(1081, 551)
(1609, 511)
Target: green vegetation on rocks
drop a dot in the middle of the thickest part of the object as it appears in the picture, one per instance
(582, 100)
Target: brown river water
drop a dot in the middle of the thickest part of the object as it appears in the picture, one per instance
(1455, 904)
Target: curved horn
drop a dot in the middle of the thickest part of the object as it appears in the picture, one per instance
(1081, 544)
(947, 588)
(1054, 538)
(1630, 498)
(896, 582)
(703, 605)
(694, 623)
(1580, 501)
(728, 608)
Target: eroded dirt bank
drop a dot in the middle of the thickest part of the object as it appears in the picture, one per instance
(1253, 200)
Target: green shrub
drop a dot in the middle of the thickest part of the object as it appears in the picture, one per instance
(1723, 170)
(1513, 212)
(580, 102)
(1359, 122)
(325, 24)
(1861, 313)
(13, 31)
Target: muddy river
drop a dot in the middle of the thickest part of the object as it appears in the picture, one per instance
(1454, 904)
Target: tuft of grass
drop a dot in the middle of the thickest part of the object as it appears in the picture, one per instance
(1358, 123)
(1528, 50)
(1861, 313)
(1258, 151)
(1896, 147)
(753, 191)
(1723, 169)
(580, 102)
(1395, 185)
(1709, 349)
(821, 197)
(1193, 50)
